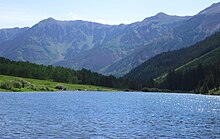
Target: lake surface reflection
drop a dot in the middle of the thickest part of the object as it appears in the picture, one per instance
(108, 115)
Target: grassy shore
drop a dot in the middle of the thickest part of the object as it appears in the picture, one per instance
(17, 84)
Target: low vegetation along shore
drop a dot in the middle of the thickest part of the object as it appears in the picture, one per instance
(17, 84)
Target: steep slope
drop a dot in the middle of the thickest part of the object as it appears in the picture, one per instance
(121, 41)
(108, 49)
(200, 79)
(188, 33)
(213, 9)
(162, 63)
(9, 34)
(50, 41)
(81, 44)
(209, 58)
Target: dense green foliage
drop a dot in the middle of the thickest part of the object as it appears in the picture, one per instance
(201, 79)
(164, 62)
(18, 84)
(210, 58)
(58, 74)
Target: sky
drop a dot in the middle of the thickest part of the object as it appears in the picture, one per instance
(23, 13)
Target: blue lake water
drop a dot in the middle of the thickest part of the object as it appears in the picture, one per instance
(108, 115)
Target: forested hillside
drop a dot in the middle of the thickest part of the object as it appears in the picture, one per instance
(58, 74)
(164, 62)
(200, 80)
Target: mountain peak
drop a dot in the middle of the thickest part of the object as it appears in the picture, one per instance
(161, 14)
(163, 18)
(158, 16)
(49, 19)
(213, 9)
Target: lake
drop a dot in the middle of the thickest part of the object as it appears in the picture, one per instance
(109, 115)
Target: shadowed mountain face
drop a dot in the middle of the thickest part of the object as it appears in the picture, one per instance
(105, 48)
(205, 52)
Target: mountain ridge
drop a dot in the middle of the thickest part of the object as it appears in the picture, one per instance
(94, 34)
(107, 49)
(11, 33)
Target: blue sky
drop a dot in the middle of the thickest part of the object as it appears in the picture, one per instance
(23, 13)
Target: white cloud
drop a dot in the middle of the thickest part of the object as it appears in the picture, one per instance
(102, 21)
(74, 16)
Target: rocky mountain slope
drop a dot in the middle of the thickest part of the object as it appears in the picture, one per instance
(10, 33)
(186, 34)
(108, 49)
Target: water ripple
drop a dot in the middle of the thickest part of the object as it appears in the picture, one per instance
(108, 115)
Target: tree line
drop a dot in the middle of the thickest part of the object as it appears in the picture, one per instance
(59, 74)
(200, 79)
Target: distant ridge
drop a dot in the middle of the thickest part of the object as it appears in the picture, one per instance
(107, 49)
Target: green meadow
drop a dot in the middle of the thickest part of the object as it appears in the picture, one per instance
(18, 84)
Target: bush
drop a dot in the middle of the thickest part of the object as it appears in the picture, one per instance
(17, 84)
(25, 83)
(127, 90)
(10, 85)
(6, 85)
(60, 87)
(31, 86)
(146, 89)
(45, 88)
(204, 89)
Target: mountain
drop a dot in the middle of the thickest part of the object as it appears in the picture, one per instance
(209, 58)
(51, 41)
(11, 33)
(122, 41)
(205, 52)
(81, 44)
(186, 34)
(213, 9)
(108, 49)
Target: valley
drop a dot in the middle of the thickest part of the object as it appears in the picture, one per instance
(107, 49)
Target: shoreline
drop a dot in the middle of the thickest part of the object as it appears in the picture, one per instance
(100, 91)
